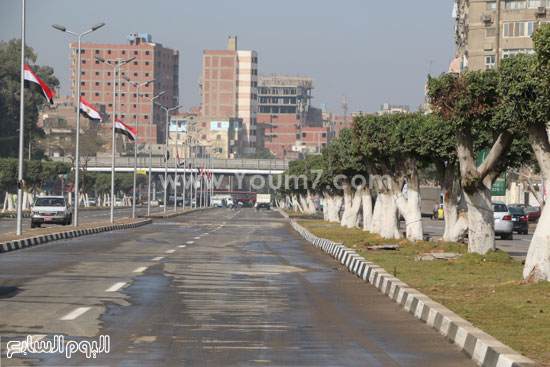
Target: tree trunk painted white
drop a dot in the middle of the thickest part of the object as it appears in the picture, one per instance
(334, 208)
(9, 205)
(390, 220)
(86, 202)
(376, 221)
(537, 263)
(481, 226)
(295, 204)
(326, 205)
(303, 204)
(366, 203)
(352, 205)
(310, 203)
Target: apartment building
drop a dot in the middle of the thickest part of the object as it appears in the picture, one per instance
(152, 61)
(488, 31)
(389, 109)
(229, 89)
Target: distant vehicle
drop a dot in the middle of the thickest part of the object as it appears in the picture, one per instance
(533, 213)
(519, 219)
(118, 202)
(92, 202)
(51, 209)
(504, 227)
(263, 201)
(219, 200)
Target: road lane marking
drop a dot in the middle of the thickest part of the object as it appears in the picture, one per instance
(140, 269)
(170, 251)
(158, 258)
(73, 315)
(197, 238)
(190, 242)
(182, 246)
(115, 287)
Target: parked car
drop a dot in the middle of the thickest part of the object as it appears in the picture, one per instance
(92, 202)
(504, 227)
(51, 209)
(519, 219)
(533, 213)
(118, 202)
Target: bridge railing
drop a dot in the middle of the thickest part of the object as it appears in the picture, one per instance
(158, 162)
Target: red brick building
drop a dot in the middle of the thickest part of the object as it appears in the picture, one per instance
(152, 61)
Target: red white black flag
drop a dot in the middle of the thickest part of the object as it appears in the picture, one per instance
(34, 81)
(88, 111)
(122, 128)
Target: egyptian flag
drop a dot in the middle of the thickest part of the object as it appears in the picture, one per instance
(122, 128)
(202, 171)
(179, 162)
(32, 80)
(88, 111)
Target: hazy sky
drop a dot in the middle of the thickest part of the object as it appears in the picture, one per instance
(373, 51)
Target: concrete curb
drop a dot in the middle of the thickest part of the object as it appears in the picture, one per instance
(484, 349)
(165, 216)
(33, 241)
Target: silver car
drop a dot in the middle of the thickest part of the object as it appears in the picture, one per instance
(51, 209)
(504, 227)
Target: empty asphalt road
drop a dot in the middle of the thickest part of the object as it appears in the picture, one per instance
(215, 288)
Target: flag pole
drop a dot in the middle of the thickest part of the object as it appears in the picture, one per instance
(21, 126)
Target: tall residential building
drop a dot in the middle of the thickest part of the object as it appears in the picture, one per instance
(229, 89)
(152, 61)
(489, 30)
(284, 106)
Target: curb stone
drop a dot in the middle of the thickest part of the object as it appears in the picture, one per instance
(33, 241)
(484, 349)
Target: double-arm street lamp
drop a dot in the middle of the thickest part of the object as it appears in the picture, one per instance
(167, 110)
(77, 104)
(146, 84)
(115, 69)
(152, 100)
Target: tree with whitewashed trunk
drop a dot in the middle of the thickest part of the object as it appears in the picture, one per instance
(525, 91)
(470, 104)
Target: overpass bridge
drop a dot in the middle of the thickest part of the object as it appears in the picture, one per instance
(241, 166)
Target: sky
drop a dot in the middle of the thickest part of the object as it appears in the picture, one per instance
(372, 51)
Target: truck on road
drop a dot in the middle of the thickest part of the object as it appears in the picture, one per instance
(263, 201)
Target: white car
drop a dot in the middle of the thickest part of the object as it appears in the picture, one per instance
(51, 209)
(504, 227)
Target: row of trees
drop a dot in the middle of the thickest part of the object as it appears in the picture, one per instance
(500, 114)
(43, 177)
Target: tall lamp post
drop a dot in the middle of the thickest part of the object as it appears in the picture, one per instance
(152, 100)
(115, 69)
(146, 84)
(77, 104)
(167, 110)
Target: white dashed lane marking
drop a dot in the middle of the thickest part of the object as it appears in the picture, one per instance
(115, 287)
(197, 238)
(190, 242)
(158, 258)
(182, 246)
(73, 315)
(140, 269)
(170, 251)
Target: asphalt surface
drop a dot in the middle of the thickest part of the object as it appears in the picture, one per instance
(8, 225)
(517, 247)
(217, 288)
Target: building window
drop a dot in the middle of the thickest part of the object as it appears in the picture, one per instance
(135, 53)
(146, 62)
(97, 73)
(83, 61)
(83, 93)
(97, 52)
(491, 5)
(135, 62)
(533, 4)
(83, 72)
(124, 52)
(218, 137)
(97, 62)
(82, 83)
(515, 4)
(146, 74)
(147, 53)
(97, 83)
(97, 94)
(304, 135)
(108, 52)
(519, 29)
(135, 74)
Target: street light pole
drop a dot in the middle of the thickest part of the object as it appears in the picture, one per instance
(77, 104)
(152, 100)
(167, 110)
(115, 69)
(146, 84)
(21, 126)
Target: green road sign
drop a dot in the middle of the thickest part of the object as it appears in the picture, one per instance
(499, 186)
